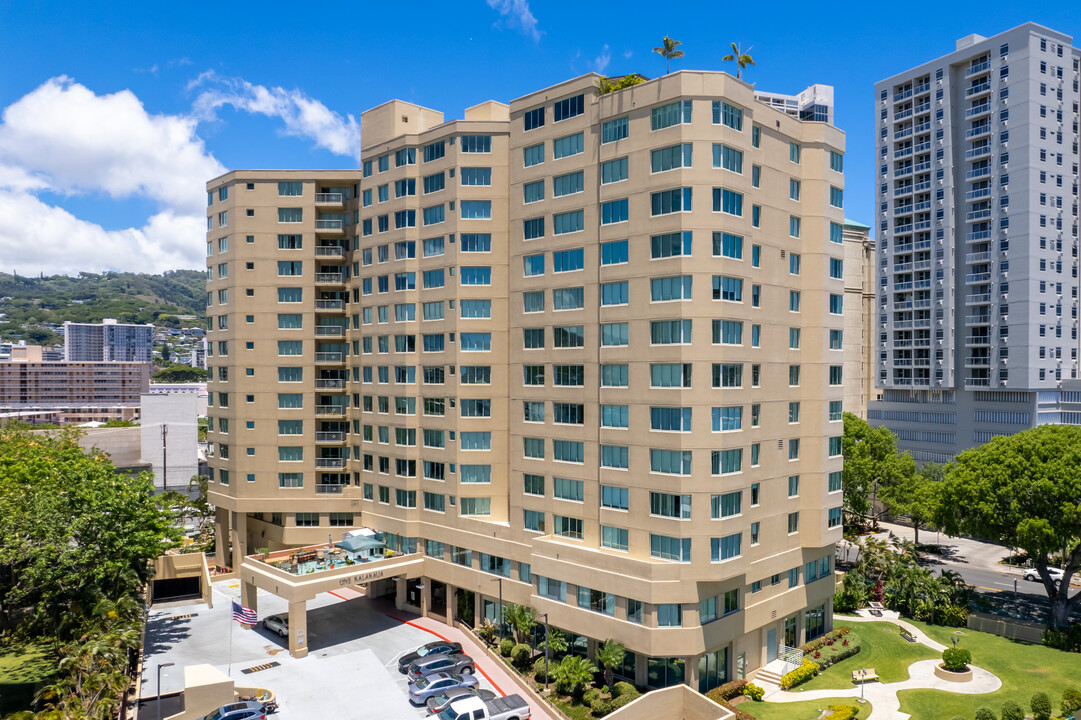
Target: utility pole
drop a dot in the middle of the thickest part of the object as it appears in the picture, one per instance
(164, 465)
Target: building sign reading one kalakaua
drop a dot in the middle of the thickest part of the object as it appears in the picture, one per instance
(361, 578)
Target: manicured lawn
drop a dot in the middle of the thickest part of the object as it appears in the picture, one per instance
(881, 648)
(1024, 669)
(806, 710)
(23, 668)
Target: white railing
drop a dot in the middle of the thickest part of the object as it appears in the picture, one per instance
(329, 278)
(329, 489)
(328, 224)
(329, 384)
(330, 410)
(330, 463)
(323, 436)
(329, 305)
(329, 357)
(329, 251)
(328, 197)
(793, 657)
(329, 331)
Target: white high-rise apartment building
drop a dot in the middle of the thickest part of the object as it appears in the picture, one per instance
(109, 341)
(977, 299)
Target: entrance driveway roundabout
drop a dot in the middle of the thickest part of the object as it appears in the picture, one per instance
(883, 696)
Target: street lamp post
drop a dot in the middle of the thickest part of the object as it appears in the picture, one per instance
(863, 672)
(547, 670)
(500, 581)
(160, 666)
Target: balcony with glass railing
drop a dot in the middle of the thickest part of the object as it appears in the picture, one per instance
(329, 198)
(329, 278)
(330, 383)
(978, 193)
(329, 358)
(902, 95)
(978, 89)
(978, 152)
(329, 305)
(976, 215)
(335, 331)
(329, 226)
(977, 68)
(331, 251)
(981, 109)
(978, 236)
(978, 299)
(977, 131)
(330, 463)
(978, 173)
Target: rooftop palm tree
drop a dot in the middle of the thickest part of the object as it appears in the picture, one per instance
(668, 51)
(740, 58)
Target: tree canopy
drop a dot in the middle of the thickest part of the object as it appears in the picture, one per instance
(73, 533)
(872, 463)
(1024, 491)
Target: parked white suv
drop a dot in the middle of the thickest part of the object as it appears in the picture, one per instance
(1054, 572)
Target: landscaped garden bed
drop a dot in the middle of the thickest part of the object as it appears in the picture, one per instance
(881, 647)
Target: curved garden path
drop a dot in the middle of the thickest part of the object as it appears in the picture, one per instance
(883, 696)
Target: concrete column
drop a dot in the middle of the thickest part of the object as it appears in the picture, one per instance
(641, 670)
(399, 593)
(249, 596)
(298, 629)
(425, 596)
(591, 648)
(240, 538)
(690, 671)
(221, 537)
(452, 605)
(478, 609)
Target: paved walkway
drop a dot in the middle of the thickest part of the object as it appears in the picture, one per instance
(883, 696)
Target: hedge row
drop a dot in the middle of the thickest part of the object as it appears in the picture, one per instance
(802, 674)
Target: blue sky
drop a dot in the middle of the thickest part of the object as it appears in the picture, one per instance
(115, 114)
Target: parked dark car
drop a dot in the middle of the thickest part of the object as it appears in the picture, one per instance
(429, 664)
(439, 647)
(436, 703)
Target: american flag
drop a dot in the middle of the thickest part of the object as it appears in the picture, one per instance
(244, 615)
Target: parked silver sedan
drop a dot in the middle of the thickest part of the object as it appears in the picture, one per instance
(423, 688)
(277, 624)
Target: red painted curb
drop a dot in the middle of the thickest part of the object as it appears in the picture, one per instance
(433, 632)
(340, 597)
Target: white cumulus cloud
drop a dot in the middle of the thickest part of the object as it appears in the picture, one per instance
(64, 139)
(600, 63)
(303, 116)
(517, 12)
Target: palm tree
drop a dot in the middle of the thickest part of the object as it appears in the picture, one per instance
(522, 619)
(573, 673)
(610, 655)
(668, 51)
(741, 58)
(557, 642)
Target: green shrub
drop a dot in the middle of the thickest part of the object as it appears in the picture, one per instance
(1041, 706)
(520, 655)
(1071, 701)
(505, 646)
(956, 659)
(600, 707)
(1012, 711)
(842, 712)
(540, 670)
(726, 692)
(802, 674)
(1069, 640)
(985, 713)
(622, 688)
(754, 692)
(622, 700)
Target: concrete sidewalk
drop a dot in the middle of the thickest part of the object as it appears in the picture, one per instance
(962, 552)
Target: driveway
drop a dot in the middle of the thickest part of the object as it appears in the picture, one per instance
(350, 672)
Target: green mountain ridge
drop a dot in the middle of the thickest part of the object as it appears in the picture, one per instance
(30, 302)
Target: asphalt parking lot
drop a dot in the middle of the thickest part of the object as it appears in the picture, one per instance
(350, 672)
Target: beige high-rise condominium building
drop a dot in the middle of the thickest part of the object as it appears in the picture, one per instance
(859, 318)
(589, 348)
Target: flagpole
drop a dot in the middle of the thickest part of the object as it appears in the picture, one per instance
(230, 671)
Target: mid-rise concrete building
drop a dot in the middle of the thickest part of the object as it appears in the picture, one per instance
(859, 318)
(108, 341)
(583, 353)
(70, 392)
(977, 172)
